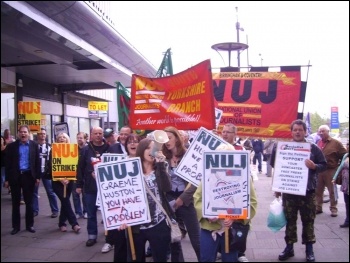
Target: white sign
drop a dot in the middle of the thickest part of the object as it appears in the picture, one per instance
(226, 184)
(191, 166)
(218, 115)
(122, 193)
(290, 173)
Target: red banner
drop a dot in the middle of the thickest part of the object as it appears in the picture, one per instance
(260, 104)
(184, 100)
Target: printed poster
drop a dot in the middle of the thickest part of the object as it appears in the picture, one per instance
(226, 184)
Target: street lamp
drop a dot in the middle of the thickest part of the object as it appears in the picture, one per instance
(261, 60)
(238, 28)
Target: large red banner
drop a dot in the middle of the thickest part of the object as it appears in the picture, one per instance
(260, 104)
(184, 100)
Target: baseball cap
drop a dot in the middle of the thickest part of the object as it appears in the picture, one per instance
(108, 132)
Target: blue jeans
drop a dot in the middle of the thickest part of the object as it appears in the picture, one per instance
(2, 177)
(50, 195)
(257, 156)
(91, 209)
(76, 201)
(209, 248)
(35, 199)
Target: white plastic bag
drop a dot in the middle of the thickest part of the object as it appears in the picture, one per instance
(276, 218)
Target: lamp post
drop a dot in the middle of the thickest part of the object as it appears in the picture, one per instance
(261, 59)
(238, 28)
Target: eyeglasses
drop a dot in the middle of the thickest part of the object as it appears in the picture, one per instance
(227, 132)
(133, 142)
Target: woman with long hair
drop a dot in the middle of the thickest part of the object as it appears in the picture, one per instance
(157, 232)
(181, 194)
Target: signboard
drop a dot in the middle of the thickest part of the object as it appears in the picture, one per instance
(226, 184)
(29, 113)
(290, 173)
(98, 109)
(190, 167)
(122, 193)
(60, 127)
(184, 100)
(64, 161)
(253, 101)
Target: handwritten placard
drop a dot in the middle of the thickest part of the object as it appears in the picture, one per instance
(290, 173)
(226, 184)
(190, 167)
(122, 193)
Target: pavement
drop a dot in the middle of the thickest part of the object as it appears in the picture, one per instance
(48, 244)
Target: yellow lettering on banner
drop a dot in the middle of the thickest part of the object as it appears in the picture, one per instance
(195, 89)
(185, 107)
(145, 84)
(29, 107)
(64, 150)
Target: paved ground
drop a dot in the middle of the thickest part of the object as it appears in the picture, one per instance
(48, 244)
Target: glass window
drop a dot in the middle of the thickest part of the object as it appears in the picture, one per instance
(84, 125)
(73, 128)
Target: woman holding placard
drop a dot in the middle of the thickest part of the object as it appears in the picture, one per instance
(63, 190)
(157, 232)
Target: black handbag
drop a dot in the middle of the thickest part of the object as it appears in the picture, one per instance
(238, 234)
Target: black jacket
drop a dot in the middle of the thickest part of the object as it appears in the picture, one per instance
(12, 171)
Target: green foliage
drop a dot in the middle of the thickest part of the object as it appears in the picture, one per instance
(316, 121)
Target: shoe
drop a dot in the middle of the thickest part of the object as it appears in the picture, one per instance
(106, 248)
(31, 229)
(344, 225)
(85, 215)
(334, 214)
(35, 214)
(63, 228)
(287, 253)
(22, 202)
(148, 252)
(78, 216)
(243, 259)
(326, 201)
(310, 257)
(54, 215)
(76, 228)
(319, 212)
(14, 231)
(218, 256)
(91, 242)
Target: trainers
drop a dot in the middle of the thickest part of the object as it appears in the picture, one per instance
(85, 215)
(106, 248)
(22, 202)
(243, 259)
(334, 214)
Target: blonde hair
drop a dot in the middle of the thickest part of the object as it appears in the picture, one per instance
(65, 135)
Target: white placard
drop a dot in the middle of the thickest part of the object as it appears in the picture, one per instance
(122, 193)
(190, 167)
(226, 184)
(290, 173)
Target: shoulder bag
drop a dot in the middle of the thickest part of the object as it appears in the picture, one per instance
(176, 234)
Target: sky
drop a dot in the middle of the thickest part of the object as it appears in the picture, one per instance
(277, 33)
